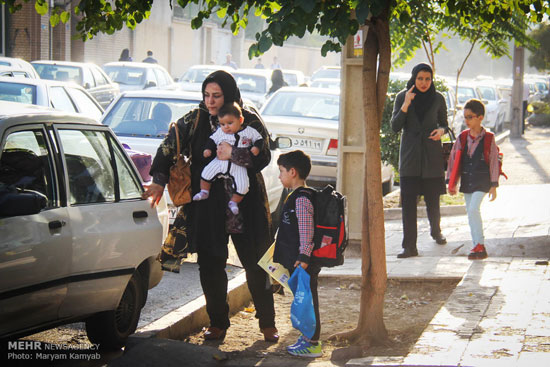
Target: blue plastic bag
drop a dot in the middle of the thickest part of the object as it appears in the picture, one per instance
(302, 313)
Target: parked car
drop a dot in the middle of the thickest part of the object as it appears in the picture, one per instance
(294, 78)
(195, 75)
(326, 72)
(135, 118)
(139, 75)
(63, 96)
(310, 118)
(253, 84)
(78, 243)
(495, 105)
(19, 64)
(86, 74)
(326, 83)
(14, 72)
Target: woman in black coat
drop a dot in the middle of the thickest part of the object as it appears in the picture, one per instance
(421, 112)
(202, 226)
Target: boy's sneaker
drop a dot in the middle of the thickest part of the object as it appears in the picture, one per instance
(478, 253)
(306, 349)
(298, 343)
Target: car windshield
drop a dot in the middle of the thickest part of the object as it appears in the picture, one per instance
(132, 116)
(291, 79)
(488, 93)
(251, 83)
(62, 73)
(126, 74)
(304, 104)
(326, 73)
(16, 92)
(465, 93)
(196, 75)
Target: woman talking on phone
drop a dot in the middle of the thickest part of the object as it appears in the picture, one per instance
(420, 112)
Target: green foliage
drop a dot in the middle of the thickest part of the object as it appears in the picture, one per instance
(540, 58)
(540, 107)
(491, 27)
(389, 140)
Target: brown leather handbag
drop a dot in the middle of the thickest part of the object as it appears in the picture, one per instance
(179, 184)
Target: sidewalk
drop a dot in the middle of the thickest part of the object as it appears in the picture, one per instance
(499, 314)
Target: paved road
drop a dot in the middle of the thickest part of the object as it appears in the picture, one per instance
(527, 161)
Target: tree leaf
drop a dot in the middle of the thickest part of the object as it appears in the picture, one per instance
(221, 13)
(65, 16)
(54, 19)
(41, 7)
(264, 44)
(306, 5)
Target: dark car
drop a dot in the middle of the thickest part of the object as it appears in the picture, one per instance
(86, 74)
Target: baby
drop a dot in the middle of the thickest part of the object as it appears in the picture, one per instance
(231, 120)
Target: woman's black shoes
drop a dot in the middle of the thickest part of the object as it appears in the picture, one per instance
(440, 239)
(407, 253)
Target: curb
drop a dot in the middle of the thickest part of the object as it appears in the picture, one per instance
(192, 316)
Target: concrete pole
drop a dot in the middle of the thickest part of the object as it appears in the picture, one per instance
(517, 93)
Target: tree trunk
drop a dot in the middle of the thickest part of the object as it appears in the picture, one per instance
(376, 67)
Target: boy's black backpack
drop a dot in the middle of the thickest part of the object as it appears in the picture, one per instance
(331, 231)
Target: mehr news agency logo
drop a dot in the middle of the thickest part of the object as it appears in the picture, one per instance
(34, 350)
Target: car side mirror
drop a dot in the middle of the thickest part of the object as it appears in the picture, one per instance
(281, 142)
(20, 202)
(87, 86)
(150, 84)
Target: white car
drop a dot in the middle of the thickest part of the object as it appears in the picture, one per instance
(17, 63)
(63, 96)
(310, 118)
(294, 78)
(495, 105)
(86, 74)
(195, 75)
(78, 243)
(133, 118)
(139, 75)
(332, 72)
(253, 84)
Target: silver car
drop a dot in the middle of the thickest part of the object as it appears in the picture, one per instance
(310, 118)
(67, 97)
(139, 75)
(141, 118)
(86, 74)
(78, 243)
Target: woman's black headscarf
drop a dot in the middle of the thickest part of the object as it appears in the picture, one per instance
(423, 100)
(228, 85)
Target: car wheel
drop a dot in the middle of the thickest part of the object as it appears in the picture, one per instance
(110, 329)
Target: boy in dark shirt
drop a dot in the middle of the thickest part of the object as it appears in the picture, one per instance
(294, 243)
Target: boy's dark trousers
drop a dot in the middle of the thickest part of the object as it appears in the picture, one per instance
(313, 271)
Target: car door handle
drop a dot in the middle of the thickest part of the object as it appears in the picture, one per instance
(56, 224)
(140, 214)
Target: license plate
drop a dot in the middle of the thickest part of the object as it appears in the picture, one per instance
(310, 144)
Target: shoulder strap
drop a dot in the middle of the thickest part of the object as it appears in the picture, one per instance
(463, 136)
(487, 141)
(175, 125)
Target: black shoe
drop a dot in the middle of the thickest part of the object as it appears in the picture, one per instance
(440, 239)
(407, 253)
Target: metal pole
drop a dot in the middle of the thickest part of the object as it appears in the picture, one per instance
(517, 93)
